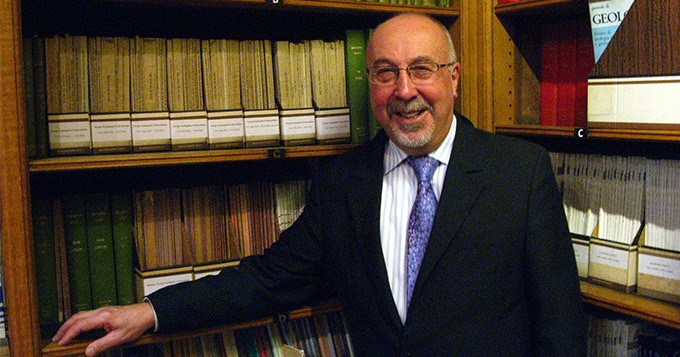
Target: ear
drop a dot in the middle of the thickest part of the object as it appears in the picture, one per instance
(455, 75)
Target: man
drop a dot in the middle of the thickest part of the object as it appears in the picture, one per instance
(497, 275)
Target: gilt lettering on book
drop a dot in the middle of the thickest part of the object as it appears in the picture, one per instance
(100, 248)
(357, 84)
(122, 232)
(45, 261)
(75, 236)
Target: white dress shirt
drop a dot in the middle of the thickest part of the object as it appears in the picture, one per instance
(398, 194)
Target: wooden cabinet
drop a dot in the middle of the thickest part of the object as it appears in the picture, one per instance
(266, 19)
(516, 103)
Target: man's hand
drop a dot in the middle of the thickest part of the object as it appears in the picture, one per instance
(123, 324)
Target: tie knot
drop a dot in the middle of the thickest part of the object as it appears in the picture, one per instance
(423, 166)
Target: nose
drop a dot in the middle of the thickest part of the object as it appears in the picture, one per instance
(405, 87)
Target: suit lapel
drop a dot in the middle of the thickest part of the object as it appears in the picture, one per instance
(464, 181)
(364, 191)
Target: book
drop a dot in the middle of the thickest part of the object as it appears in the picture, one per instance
(45, 261)
(605, 18)
(77, 254)
(150, 117)
(357, 84)
(100, 249)
(122, 234)
(550, 56)
(109, 77)
(40, 97)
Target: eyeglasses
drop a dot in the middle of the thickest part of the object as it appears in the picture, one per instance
(420, 73)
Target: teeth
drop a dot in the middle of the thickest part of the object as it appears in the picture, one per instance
(409, 114)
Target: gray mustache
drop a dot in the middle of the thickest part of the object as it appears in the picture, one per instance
(414, 105)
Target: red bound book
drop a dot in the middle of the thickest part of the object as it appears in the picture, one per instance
(566, 86)
(549, 72)
(585, 62)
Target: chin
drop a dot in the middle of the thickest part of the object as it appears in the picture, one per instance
(412, 139)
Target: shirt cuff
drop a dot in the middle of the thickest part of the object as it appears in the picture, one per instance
(155, 318)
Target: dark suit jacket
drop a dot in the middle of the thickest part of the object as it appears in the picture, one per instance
(498, 276)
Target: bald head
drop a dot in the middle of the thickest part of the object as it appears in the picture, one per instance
(408, 22)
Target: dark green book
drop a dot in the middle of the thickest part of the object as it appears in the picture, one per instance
(357, 85)
(45, 262)
(100, 247)
(77, 258)
(122, 231)
(372, 122)
(40, 98)
(29, 98)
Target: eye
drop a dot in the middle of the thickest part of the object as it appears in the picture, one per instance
(385, 72)
(423, 70)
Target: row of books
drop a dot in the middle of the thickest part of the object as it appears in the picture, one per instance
(566, 60)
(117, 94)
(88, 246)
(320, 335)
(613, 335)
(615, 195)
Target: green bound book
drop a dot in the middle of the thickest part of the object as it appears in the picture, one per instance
(122, 230)
(372, 122)
(357, 85)
(100, 247)
(45, 262)
(77, 259)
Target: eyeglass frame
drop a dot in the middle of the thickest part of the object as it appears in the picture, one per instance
(398, 70)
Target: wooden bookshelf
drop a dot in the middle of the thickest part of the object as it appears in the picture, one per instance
(44, 18)
(669, 136)
(53, 350)
(70, 163)
(659, 312)
(517, 51)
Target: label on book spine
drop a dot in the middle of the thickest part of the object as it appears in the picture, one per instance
(226, 129)
(297, 127)
(69, 134)
(262, 127)
(189, 130)
(333, 126)
(151, 131)
(111, 133)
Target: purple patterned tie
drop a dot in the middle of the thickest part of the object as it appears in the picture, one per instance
(422, 216)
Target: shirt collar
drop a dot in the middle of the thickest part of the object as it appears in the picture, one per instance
(394, 156)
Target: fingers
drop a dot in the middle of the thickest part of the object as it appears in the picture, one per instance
(78, 323)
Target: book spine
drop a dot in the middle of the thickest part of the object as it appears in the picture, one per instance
(122, 232)
(357, 85)
(45, 261)
(75, 236)
(100, 248)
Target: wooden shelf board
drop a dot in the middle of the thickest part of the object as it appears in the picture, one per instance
(596, 133)
(543, 130)
(333, 5)
(53, 350)
(535, 8)
(656, 311)
(70, 163)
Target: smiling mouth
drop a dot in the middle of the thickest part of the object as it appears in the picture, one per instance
(408, 109)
